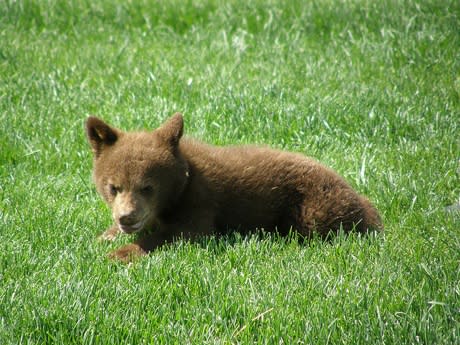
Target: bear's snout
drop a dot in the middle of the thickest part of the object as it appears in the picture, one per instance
(130, 222)
(128, 218)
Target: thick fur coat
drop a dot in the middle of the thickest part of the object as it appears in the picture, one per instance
(162, 186)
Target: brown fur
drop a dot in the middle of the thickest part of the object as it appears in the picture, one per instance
(162, 186)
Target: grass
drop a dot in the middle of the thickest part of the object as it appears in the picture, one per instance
(371, 88)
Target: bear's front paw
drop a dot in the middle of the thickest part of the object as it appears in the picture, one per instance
(127, 253)
(110, 234)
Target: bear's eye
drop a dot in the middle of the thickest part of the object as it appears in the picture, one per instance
(147, 190)
(113, 190)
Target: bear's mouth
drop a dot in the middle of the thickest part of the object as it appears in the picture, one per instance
(132, 228)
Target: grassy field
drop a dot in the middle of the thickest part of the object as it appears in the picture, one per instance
(370, 88)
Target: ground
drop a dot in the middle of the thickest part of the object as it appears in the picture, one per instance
(370, 88)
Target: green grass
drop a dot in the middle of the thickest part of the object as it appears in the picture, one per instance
(371, 88)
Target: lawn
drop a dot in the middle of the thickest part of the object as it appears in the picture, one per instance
(370, 88)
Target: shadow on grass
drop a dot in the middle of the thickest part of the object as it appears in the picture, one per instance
(218, 244)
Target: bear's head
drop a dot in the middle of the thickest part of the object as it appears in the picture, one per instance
(139, 174)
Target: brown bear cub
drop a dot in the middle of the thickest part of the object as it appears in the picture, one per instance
(162, 186)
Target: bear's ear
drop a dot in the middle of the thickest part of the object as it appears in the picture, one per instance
(100, 134)
(171, 131)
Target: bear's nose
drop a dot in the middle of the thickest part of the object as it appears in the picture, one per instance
(128, 218)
